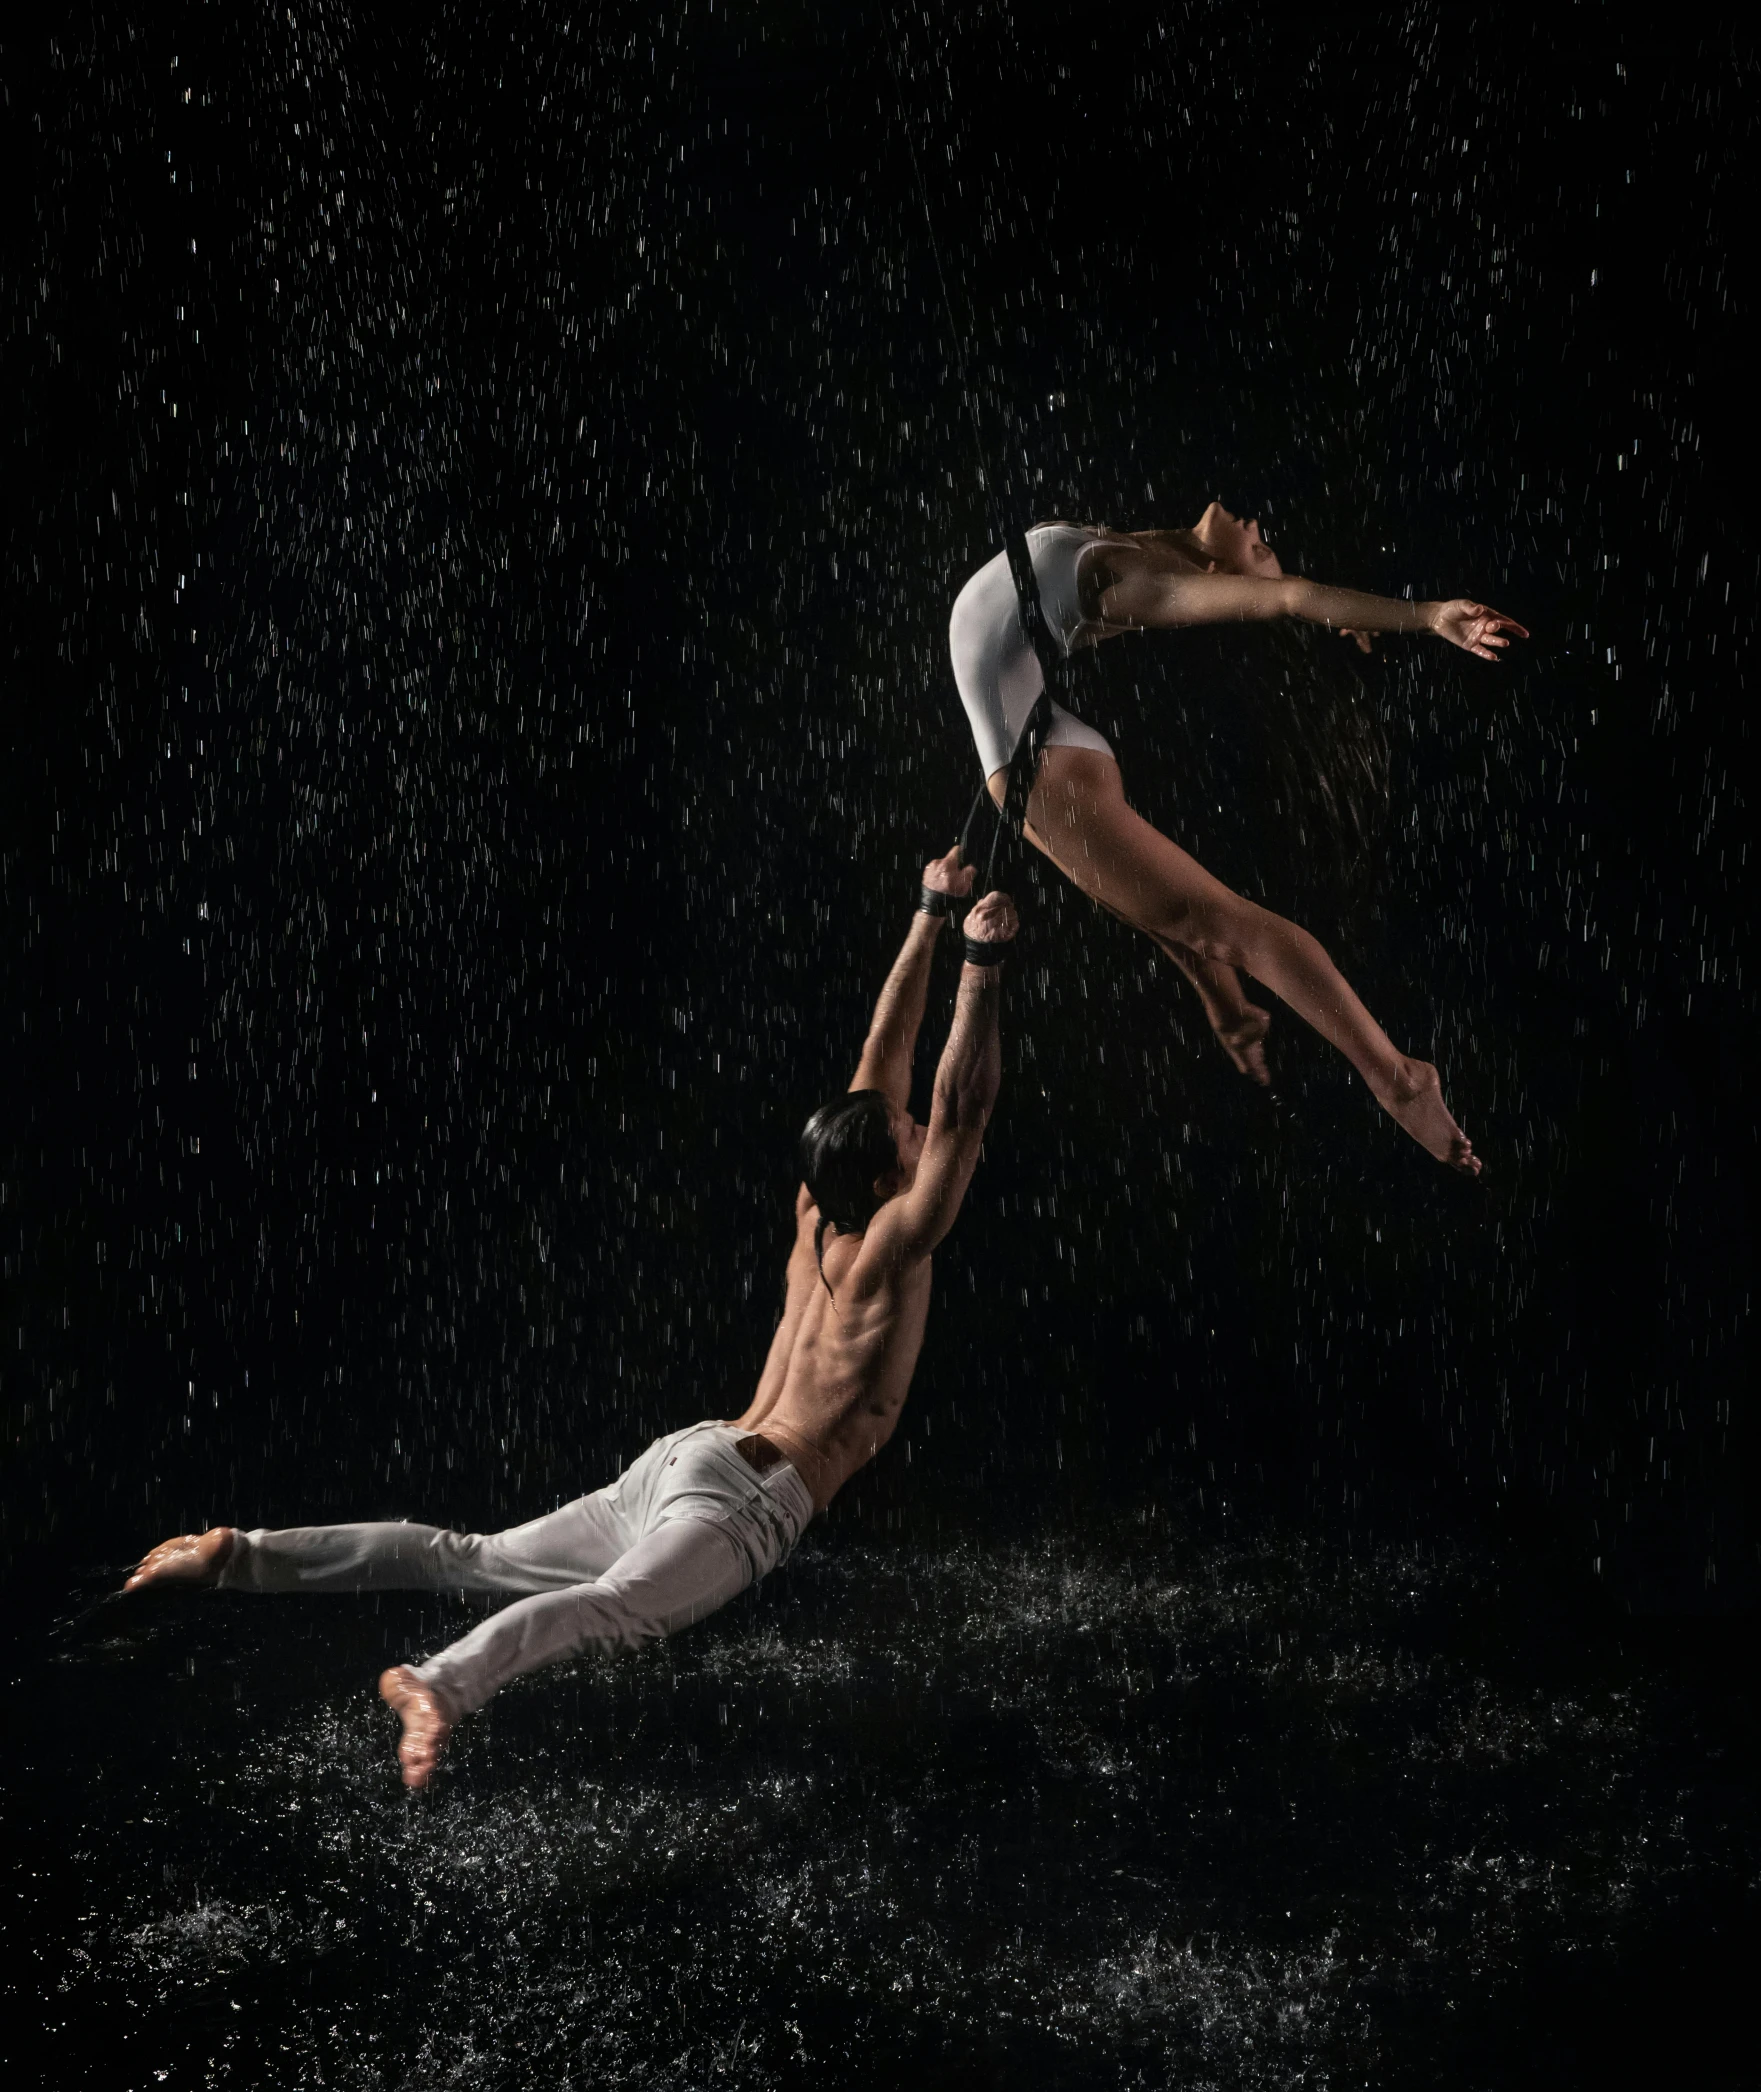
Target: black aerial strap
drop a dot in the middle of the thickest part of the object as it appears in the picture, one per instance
(1024, 762)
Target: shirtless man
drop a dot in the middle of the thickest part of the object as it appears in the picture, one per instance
(710, 1509)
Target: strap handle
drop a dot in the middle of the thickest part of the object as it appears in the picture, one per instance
(1024, 761)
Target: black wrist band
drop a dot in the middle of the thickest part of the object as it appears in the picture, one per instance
(932, 901)
(981, 953)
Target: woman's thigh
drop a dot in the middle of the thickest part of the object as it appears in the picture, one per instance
(1078, 817)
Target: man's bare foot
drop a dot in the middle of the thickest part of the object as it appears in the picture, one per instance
(1416, 1101)
(1245, 1043)
(425, 1727)
(192, 1558)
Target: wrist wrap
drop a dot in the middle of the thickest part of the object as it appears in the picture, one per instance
(932, 901)
(981, 953)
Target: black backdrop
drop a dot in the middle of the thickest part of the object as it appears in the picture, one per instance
(485, 497)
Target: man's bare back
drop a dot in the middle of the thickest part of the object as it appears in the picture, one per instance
(841, 1362)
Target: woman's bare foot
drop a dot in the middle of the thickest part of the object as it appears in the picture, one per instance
(1245, 1043)
(1240, 1026)
(1416, 1101)
(425, 1727)
(192, 1558)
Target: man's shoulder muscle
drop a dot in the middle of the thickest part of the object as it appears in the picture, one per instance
(890, 1251)
(803, 1260)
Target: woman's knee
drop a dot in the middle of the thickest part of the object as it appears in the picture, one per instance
(1237, 932)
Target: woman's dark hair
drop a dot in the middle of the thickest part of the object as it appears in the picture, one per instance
(1314, 701)
(1285, 719)
(843, 1148)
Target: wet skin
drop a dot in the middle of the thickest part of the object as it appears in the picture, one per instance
(189, 1558)
(425, 1727)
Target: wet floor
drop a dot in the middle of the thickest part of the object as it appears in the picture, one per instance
(1130, 1804)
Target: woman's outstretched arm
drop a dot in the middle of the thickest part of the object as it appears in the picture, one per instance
(1141, 597)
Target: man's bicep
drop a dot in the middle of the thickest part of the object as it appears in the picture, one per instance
(806, 1224)
(927, 1211)
(874, 1071)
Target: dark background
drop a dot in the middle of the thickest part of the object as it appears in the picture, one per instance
(484, 506)
(485, 494)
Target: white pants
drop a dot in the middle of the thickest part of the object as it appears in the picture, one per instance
(687, 1526)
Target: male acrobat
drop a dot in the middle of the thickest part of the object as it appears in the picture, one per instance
(710, 1509)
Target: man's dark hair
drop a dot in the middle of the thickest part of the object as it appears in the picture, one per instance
(844, 1147)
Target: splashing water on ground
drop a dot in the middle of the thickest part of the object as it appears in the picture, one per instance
(1128, 1805)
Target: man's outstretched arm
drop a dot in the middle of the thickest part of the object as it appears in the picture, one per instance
(967, 1080)
(892, 1033)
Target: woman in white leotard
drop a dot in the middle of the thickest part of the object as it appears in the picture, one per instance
(1097, 584)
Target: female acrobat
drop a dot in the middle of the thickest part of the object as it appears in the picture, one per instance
(1097, 584)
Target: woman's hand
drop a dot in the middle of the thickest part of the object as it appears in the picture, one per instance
(1474, 627)
(949, 875)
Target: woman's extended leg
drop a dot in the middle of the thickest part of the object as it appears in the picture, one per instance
(1079, 818)
(1238, 1025)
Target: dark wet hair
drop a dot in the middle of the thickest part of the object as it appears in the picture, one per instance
(1314, 700)
(1292, 724)
(843, 1148)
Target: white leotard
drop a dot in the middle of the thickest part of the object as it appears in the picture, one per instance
(996, 670)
